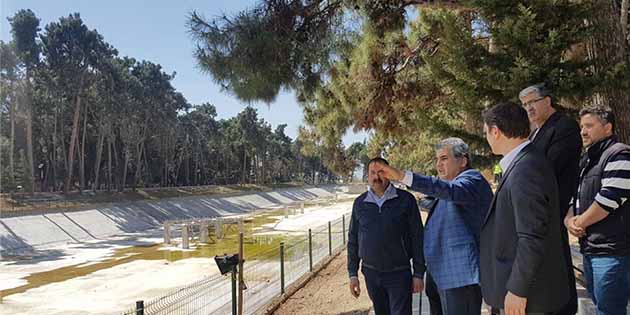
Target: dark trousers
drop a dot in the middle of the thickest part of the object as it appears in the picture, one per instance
(571, 307)
(390, 292)
(433, 295)
(461, 301)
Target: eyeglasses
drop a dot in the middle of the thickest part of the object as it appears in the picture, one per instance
(532, 102)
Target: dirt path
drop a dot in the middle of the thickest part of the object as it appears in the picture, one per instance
(328, 293)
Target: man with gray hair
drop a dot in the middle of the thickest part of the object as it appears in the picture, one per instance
(558, 138)
(451, 236)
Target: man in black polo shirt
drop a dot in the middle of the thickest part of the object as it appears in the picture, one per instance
(602, 212)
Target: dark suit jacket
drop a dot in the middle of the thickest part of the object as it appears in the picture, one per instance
(521, 247)
(559, 139)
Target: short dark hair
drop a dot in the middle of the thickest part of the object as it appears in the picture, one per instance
(377, 159)
(603, 112)
(510, 118)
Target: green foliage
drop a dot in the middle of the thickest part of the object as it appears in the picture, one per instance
(24, 28)
(415, 78)
(358, 154)
(72, 51)
(134, 127)
(273, 46)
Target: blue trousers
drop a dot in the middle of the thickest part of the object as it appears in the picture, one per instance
(390, 292)
(608, 283)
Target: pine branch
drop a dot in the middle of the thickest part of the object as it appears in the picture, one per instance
(451, 4)
(424, 42)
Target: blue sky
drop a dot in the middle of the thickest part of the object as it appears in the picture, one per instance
(156, 31)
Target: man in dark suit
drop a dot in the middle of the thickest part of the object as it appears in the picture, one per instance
(558, 137)
(523, 268)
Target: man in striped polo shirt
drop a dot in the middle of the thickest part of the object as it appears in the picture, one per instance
(601, 216)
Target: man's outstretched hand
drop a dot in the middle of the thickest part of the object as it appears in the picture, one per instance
(388, 172)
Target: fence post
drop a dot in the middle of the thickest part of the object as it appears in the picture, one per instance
(167, 233)
(343, 226)
(203, 233)
(241, 282)
(234, 289)
(310, 251)
(282, 267)
(218, 227)
(140, 307)
(329, 239)
(185, 237)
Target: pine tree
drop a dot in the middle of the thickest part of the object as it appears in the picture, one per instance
(416, 71)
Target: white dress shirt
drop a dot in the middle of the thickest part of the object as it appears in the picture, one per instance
(507, 159)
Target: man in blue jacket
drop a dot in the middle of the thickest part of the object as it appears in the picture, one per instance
(451, 237)
(385, 234)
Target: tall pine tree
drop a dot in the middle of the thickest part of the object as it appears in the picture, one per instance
(413, 71)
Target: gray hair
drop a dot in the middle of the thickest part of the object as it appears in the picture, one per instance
(540, 89)
(458, 148)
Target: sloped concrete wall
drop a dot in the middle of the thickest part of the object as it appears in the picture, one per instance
(27, 232)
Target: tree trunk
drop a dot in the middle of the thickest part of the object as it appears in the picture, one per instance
(99, 153)
(62, 143)
(54, 151)
(73, 138)
(12, 117)
(82, 152)
(254, 171)
(608, 50)
(50, 158)
(244, 165)
(180, 161)
(29, 133)
(195, 168)
(64, 156)
(139, 149)
(121, 188)
(623, 20)
(118, 159)
(147, 169)
(187, 172)
(164, 153)
(53, 168)
(109, 161)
